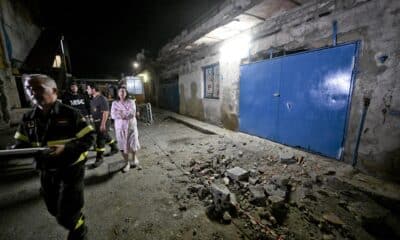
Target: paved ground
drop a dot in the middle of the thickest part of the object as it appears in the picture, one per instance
(168, 197)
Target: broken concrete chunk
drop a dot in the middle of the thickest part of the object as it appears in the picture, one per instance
(240, 153)
(315, 177)
(206, 171)
(182, 207)
(328, 237)
(195, 188)
(253, 181)
(278, 208)
(227, 217)
(221, 196)
(307, 184)
(269, 188)
(280, 180)
(276, 200)
(215, 163)
(286, 156)
(226, 180)
(272, 190)
(202, 193)
(257, 195)
(262, 169)
(238, 174)
(330, 171)
(195, 169)
(253, 173)
(233, 200)
(332, 218)
(243, 185)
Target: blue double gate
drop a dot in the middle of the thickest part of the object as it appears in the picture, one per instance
(300, 100)
(169, 96)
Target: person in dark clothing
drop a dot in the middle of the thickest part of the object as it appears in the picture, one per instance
(68, 136)
(76, 100)
(99, 109)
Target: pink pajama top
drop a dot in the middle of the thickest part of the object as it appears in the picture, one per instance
(126, 132)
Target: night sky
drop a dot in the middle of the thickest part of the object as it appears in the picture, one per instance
(104, 37)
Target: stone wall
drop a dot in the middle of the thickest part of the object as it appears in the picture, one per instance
(18, 35)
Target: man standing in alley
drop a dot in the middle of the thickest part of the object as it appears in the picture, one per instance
(76, 100)
(99, 109)
(68, 137)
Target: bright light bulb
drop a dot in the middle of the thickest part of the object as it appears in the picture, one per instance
(237, 48)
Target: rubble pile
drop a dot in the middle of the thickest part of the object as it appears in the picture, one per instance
(282, 197)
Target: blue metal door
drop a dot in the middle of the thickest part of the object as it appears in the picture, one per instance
(314, 96)
(169, 96)
(257, 103)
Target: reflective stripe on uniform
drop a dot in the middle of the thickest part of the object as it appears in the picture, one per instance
(79, 223)
(80, 134)
(59, 142)
(110, 142)
(20, 136)
(84, 131)
(100, 149)
(35, 144)
(82, 157)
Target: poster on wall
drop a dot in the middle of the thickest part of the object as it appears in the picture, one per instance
(209, 76)
(211, 81)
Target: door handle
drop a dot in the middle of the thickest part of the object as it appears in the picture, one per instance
(276, 94)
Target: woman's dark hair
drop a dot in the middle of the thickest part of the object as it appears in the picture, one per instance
(126, 90)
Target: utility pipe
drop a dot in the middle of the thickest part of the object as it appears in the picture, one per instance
(360, 129)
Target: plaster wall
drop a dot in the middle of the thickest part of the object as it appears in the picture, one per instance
(375, 23)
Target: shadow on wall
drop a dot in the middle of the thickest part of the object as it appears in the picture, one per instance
(193, 106)
(229, 118)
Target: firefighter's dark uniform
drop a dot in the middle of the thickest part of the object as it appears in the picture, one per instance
(62, 176)
(78, 101)
(98, 105)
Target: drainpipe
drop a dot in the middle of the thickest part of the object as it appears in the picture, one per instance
(360, 129)
(334, 32)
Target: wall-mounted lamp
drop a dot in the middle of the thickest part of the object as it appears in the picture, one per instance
(235, 48)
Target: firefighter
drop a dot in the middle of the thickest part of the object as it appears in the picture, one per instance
(76, 100)
(68, 136)
(99, 109)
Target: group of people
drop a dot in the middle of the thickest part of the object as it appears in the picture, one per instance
(123, 112)
(69, 134)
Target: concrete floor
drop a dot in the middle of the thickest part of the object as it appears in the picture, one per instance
(154, 202)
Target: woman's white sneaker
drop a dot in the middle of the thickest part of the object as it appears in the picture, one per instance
(126, 168)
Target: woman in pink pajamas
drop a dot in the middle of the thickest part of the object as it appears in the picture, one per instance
(123, 112)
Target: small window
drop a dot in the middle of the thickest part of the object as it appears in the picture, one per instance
(211, 81)
(134, 85)
(57, 61)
